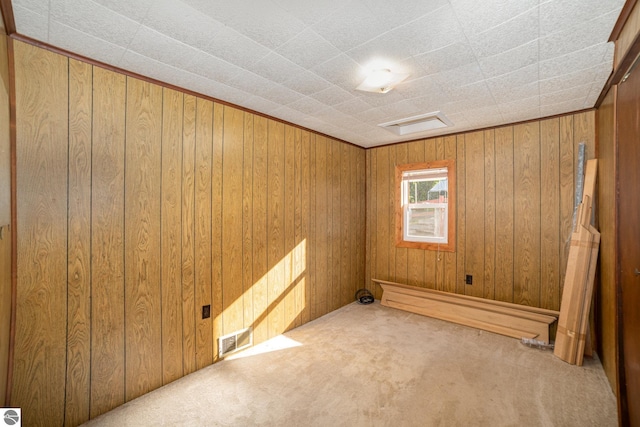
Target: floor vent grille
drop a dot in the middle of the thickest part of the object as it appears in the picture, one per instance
(235, 341)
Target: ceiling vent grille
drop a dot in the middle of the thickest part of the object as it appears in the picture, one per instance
(421, 123)
(235, 341)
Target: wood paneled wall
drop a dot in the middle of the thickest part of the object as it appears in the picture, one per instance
(5, 218)
(138, 205)
(515, 198)
(607, 288)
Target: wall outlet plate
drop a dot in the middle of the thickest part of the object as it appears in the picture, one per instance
(206, 311)
(468, 279)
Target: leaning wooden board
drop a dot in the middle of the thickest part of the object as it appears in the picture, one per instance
(494, 316)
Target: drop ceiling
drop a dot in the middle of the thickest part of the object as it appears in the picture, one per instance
(480, 63)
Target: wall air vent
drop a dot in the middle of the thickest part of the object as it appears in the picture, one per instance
(235, 341)
(421, 123)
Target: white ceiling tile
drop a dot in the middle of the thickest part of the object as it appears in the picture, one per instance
(350, 25)
(525, 106)
(341, 71)
(561, 108)
(400, 110)
(574, 92)
(518, 31)
(461, 76)
(507, 93)
(39, 6)
(153, 44)
(94, 19)
(578, 37)
(425, 86)
(149, 67)
(352, 106)
(574, 61)
(306, 83)
(373, 115)
(282, 95)
(211, 67)
(476, 18)
(465, 105)
(557, 15)
(31, 24)
(522, 83)
(85, 44)
(261, 105)
(252, 83)
(475, 90)
(177, 20)
(395, 14)
(135, 10)
(446, 58)
(510, 60)
(579, 77)
(381, 99)
(332, 95)
(221, 10)
(236, 48)
(307, 105)
(212, 88)
(276, 68)
(308, 49)
(310, 11)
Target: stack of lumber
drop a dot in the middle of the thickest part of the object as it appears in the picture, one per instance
(579, 279)
(513, 320)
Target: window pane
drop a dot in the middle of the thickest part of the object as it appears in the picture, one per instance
(427, 221)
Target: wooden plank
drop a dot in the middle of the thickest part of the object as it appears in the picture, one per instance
(430, 256)
(107, 242)
(303, 238)
(232, 236)
(289, 300)
(171, 235)
(247, 221)
(275, 228)
(384, 235)
(259, 251)
(401, 267)
(203, 230)
(300, 226)
(448, 260)
(321, 246)
(312, 243)
(215, 327)
(143, 314)
(490, 196)
(527, 214)
(334, 264)
(188, 235)
(550, 210)
(584, 131)
(346, 255)
(41, 106)
(567, 173)
(584, 337)
(416, 257)
(461, 213)
(504, 214)
(474, 217)
(78, 385)
(394, 215)
(361, 190)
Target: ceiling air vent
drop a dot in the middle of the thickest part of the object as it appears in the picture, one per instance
(421, 123)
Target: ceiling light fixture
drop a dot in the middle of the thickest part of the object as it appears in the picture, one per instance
(381, 80)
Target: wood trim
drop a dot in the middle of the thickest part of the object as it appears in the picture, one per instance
(462, 132)
(69, 54)
(622, 19)
(618, 74)
(450, 164)
(14, 219)
(7, 16)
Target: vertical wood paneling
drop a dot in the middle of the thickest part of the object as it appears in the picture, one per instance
(188, 235)
(334, 193)
(171, 235)
(247, 218)
(447, 260)
(461, 212)
(567, 191)
(79, 245)
(369, 235)
(217, 287)
(6, 249)
(41, 84)
(289, 301)
(415, 257)
(275, 227)
(260, 287)
(504, 214)
(143, 337)
(527, 219)
(298, 261)
(107, 242)
(392, 208)
(203, 230)
(303, 238)
(346, 165)
(312, 243)
(321, 223)
(489, 214)
(232, 301)
(430, 257)
(474, 216)
(401, 275)
(383, 231)
(550, 210)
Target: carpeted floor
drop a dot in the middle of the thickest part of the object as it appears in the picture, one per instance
(376, 366)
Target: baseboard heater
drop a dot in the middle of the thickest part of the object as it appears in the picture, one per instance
(513, 320)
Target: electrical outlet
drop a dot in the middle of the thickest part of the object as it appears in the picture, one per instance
(468, 279)
(206, 311)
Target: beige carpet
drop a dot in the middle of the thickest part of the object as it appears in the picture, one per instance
(376, 366)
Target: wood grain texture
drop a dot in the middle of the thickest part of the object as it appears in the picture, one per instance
(489, 214)
(6, 248)
(217, 245)
(259, 250)
(275, 228)
(171, 235)
(447, 260)
(304, 237)
(527, 214)
(312, 243)
(368, 253)
(461, 209)
(383, 209)
(550, 210)
(504, 214)
(188, 235)
(415, 257)
(41, 86)
(475, 191)
(79, 245)
(107, 242)
(233, 150)
(143, 336)
(395, 215)
(346, 166)
(289, 300)
(567, 191)
(298, 255)
(401, 270)
(321, 247)
(430, 257)
(247, 220)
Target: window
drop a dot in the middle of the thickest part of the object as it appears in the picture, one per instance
(425, 214)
